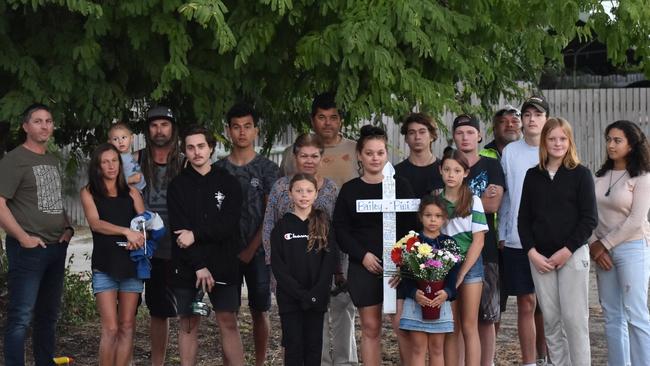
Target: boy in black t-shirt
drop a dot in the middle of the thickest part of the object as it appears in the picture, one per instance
(421, 168)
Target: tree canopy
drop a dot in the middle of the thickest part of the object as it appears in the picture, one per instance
(93, 61)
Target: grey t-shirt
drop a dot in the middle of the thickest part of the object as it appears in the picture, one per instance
(155, 199)
(31, 184)
(256, 179)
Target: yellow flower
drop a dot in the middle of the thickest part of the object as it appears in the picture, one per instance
(424, 249)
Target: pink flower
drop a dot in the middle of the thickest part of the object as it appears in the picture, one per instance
(434, 263)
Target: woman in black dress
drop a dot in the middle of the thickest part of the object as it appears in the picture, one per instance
(361, 236)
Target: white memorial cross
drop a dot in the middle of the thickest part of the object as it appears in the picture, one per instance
(388, 205)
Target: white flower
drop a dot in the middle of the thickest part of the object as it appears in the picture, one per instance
(421, 265)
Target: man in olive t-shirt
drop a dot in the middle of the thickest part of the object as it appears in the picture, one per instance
(38, 232)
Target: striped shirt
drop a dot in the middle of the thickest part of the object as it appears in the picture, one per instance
(463, 228)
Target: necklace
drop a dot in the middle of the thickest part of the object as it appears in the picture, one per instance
(429, 161)
(609, 189)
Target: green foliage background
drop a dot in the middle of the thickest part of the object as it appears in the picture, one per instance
(93, 61)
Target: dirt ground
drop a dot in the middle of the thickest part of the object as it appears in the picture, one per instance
(81, 342)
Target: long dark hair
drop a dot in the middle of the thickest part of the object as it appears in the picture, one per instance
(465, 197)
(96, 185)
(174, 159)
(638, 159)
(319, 223)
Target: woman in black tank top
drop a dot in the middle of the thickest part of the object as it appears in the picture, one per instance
(110, 204)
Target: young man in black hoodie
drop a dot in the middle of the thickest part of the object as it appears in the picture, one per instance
(204, 205)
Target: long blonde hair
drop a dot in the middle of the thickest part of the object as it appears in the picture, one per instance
(570, 160)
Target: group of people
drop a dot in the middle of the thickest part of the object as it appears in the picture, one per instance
(525, 215)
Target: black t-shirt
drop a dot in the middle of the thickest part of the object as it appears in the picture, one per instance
(359, 233)
(485, 172)
(423, 179)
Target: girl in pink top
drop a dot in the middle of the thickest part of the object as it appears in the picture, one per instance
(619, 245)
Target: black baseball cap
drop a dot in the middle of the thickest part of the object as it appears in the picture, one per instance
(160, 112)
(466, 120)
(538, 102)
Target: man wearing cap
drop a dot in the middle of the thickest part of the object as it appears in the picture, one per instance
(506, 127)
(339, 163)
(161, 161)
(485, 180)
(38, 233)
(517, 158)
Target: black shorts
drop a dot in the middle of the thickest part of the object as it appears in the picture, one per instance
(258, 282)
(517, 279)
(224, 298)
(366, 289)
(489, 310)
(158, 294)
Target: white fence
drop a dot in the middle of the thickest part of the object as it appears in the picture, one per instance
(588, 110)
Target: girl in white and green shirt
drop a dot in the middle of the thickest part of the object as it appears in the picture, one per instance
(468, 225)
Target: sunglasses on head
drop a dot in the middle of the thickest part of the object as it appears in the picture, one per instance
(508, 110)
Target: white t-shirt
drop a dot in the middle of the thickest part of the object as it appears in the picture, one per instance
(516, 159)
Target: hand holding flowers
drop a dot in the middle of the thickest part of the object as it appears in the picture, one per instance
(422, 261)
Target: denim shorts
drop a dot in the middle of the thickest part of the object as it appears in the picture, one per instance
(475, 274)
(102, 282)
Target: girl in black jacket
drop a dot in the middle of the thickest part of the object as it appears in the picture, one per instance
(303, 255)
(556, 217)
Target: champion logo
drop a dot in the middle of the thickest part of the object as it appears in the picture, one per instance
(289, 236)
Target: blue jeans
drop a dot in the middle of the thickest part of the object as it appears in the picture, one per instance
(35, 282)
(623, 293)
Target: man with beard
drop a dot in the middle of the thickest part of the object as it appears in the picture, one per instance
(161, 161)
(506, 127)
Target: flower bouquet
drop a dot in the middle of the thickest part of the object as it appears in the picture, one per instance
(427, 265)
